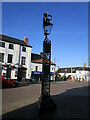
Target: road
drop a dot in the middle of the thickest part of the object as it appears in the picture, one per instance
(15, 98)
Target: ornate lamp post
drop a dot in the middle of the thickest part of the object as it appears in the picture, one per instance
(46, 103)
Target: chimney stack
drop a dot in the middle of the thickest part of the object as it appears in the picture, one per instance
(26, 40)
(84, 65)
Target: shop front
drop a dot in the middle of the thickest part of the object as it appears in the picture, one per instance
(36, 76)
(7, 70)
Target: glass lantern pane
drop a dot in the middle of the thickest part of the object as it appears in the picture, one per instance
(47, 29)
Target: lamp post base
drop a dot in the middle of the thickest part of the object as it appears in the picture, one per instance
(46, 104)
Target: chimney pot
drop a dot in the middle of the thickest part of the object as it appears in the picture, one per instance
(84, 65)
(26, 39)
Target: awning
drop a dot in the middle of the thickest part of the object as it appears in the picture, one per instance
(36, 72)
(51, 73)
(40, 73)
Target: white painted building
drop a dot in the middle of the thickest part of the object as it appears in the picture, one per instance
(79, 73)
(16, 60)
(83, 73)
(15, 57)
(36, 67)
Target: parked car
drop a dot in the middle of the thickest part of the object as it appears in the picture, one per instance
(6, 82)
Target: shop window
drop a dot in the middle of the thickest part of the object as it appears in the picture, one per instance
(23, 60)
(2, 44)
(1, 57)
(10, 46)
(10, 58)
(24, 49)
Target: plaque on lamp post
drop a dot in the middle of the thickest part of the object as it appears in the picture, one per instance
(46, 103)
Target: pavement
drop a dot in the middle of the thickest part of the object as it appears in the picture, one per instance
(71, 99)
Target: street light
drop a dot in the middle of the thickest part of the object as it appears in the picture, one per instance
(47, 26)
(46, 103)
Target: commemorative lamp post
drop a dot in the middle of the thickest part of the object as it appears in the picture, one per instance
(46, 103)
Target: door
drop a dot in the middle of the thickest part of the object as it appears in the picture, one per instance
(21, 74)
(8, 73)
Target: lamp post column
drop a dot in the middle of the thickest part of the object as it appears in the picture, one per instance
(46, 103)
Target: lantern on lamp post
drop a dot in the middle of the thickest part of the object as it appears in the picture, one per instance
(47, 26)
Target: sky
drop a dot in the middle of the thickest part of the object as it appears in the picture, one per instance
(69, 34)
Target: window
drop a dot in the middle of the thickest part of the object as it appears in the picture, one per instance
(2, 44)
(52, 68)
(79, 72)
(23, 61)
(36, 68)
(24, 49)
(1, 57)
(10, 58)
(10, 46)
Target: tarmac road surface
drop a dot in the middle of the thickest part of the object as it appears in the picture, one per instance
(71, 99)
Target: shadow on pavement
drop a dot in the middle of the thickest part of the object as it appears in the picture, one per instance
(69, 105)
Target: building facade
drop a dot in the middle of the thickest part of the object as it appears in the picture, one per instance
(36, 67)
(78, 73)
(17, 61)
(15, 57)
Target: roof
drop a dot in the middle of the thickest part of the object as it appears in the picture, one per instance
(13, 40)
(82, 68)
(36, 58)
(68, 70)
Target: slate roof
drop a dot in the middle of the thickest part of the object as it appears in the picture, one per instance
(13, 40)
(36, 58)
(68, 70)
(82, 68)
